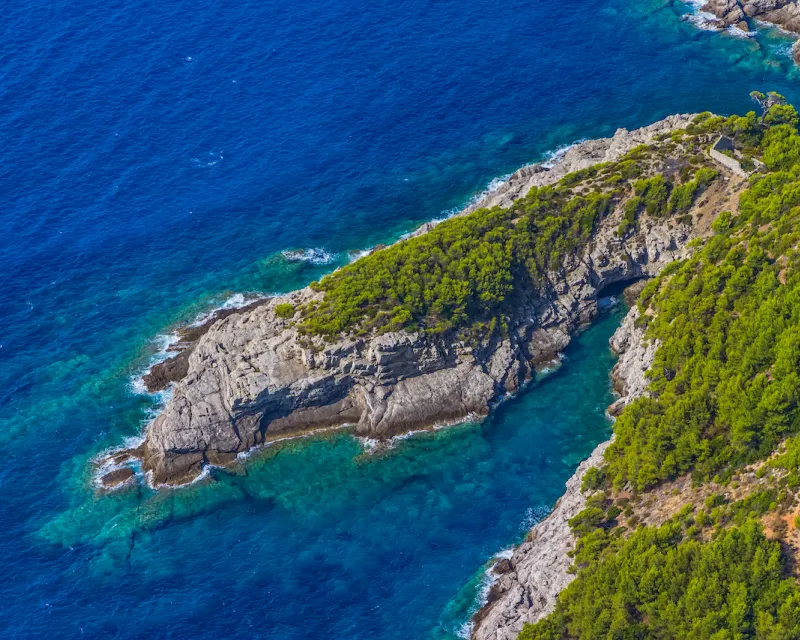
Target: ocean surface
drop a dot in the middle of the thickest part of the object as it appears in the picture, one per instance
(158, 158)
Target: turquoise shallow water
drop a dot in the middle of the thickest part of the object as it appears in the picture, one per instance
(366, 540)
(156, 158)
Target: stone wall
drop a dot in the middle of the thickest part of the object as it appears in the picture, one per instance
(726, 161)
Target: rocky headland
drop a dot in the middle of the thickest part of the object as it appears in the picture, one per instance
(248, 377)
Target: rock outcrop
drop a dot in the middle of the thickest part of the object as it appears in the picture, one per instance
(636, 356)
(537, 571)
(251, 378)
(783, 13)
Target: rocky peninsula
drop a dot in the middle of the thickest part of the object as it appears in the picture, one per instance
(250, 377)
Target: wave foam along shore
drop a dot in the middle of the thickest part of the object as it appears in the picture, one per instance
(313, 256)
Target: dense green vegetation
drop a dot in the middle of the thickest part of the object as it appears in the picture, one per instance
(725, 381)
(465, 272)
(461, 272)
(661, 583)
(284, 310)
(683, 196)
(725, 391)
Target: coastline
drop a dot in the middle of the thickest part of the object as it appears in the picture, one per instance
(737, 18)
(398, 366)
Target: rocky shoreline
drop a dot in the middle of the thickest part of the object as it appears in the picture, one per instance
(739, 14)
(529, 582)
(248, 377)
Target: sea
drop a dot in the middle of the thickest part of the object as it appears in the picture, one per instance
(162, 159)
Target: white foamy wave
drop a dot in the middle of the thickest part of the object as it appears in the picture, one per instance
(204, 473)
(373, 445)
(368, 445)
(505, 554)
(105, 463)
(533, 516)
(244, 455)
(236, 301)
(208, 160)
(357, 255)
(494, 185)
(775, 27)
(551, 366)
(738, 33)
(488, 578)
(163, 343)
(785, 51)
(705, 21)
(470, 418)
(313, 255)
(552, 158)
(427, 226)
(137, 384)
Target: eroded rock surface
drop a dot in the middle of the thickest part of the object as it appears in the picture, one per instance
(783, 13)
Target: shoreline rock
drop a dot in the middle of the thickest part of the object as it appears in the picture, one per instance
(784, 14)
(248, 377)
(176, 367)
(538, 569)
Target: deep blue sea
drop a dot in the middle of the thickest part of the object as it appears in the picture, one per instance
(157, 157)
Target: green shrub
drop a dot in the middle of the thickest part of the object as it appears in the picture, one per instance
(722, 222)
(284, 310)
(593, 479)
(658, 584)
(654, 193)
(586, 521)
(684, 195)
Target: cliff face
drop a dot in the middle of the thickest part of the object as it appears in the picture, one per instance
(250, 378)
(526, 591)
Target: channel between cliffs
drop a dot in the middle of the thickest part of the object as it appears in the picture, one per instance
(527, 584)
(248, 378)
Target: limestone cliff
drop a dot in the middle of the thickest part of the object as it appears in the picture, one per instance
(251, 378)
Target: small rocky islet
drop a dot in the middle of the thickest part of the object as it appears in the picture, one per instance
(708, 245)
